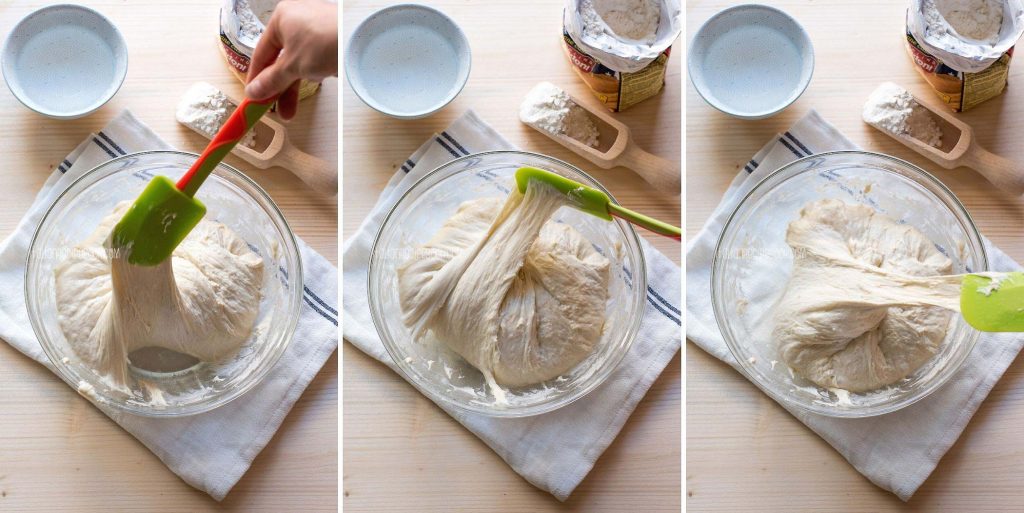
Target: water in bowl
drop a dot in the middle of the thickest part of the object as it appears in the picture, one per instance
(66, 68)
(753, 68)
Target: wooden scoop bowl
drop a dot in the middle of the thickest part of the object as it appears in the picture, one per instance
(661, 173)
(959, 148)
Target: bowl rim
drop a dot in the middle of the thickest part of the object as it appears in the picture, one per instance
(457, 34)
(806, 73)
(742, 366)
(121, 64)
(289, 333)
(639, 279)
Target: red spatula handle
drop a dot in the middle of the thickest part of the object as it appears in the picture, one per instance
(239, 122)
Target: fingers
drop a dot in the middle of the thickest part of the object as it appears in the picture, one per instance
(267, 53)
(272, 81)
(288, 103)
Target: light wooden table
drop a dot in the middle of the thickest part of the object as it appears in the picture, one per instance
(744, 452)
(57, 452)
(402, 453)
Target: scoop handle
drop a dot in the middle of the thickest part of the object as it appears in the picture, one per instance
(317, 173)
(654, 225)
(663, 174)
(1004, 173)
(237, 125)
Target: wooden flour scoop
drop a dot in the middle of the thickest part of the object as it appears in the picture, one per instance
(661, 173)
(959, 148)
(318, 174)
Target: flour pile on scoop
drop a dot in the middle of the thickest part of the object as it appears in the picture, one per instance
(869, 300)
(520, 298)
(202, 302)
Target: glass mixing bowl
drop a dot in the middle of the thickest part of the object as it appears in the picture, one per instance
(163, 383)
(443, 375)
(752, 265)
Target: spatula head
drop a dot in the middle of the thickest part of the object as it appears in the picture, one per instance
(993, 303)
(161, 217)
(587, 199)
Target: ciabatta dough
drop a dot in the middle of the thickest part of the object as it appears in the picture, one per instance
(867, 304)
(203, 301)
(520, 298)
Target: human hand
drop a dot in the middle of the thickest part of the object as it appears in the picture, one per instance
(300, 42)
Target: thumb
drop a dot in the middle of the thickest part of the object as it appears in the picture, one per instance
(271, 81)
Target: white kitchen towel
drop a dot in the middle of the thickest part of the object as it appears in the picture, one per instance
(210, 451)
(896, 451)
(554, 451)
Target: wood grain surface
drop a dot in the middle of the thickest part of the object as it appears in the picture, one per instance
(59, 453)
(744, 452)
(401, 452)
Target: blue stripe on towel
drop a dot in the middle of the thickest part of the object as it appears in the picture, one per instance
(663, 300)
(751, 166)
(662, 310)
(798, 143)
(318, 300)
(332, 320)
(445, 146)
(791, 148)
(104, 148)
(456, 143)
(112, 143)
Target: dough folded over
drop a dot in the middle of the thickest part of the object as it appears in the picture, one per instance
(520, 298)
(867, 303)
(203, 301)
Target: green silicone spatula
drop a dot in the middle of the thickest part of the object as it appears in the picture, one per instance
(164, 214)
(593, 201)
(993, 302)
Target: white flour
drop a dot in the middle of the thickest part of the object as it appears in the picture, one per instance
(204, 109)
(972, 19)
(892, 109)
(253, 16)
(636, 20)
(263, 9)
(548, 108)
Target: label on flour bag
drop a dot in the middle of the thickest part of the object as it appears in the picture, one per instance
(960, 90)
(621, 58)
(617, 90)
